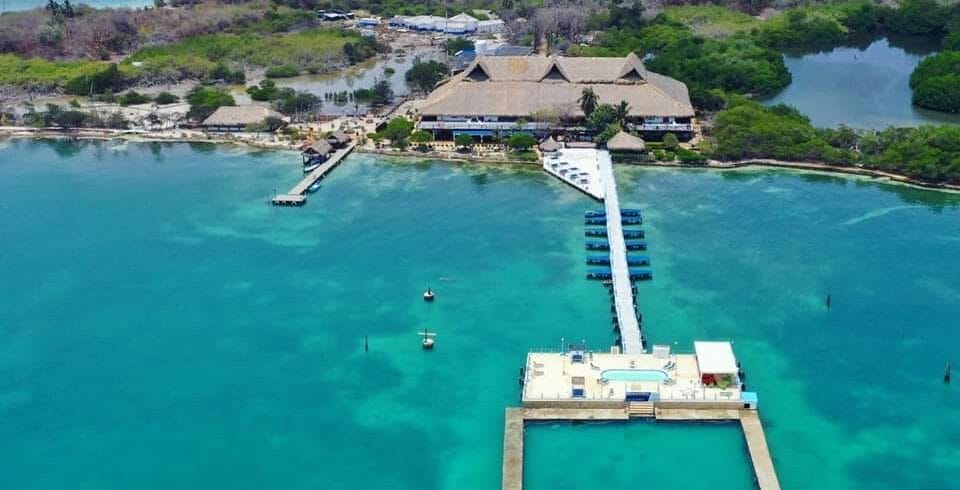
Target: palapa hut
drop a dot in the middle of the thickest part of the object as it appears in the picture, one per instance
(550, 145)
(318, 151)
(237, 118)
(626, 143)
(338, 139)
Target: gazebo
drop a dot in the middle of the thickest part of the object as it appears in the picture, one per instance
(626, 142)
(717, 364)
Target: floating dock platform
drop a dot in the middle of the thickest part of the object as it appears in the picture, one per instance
(297, 195)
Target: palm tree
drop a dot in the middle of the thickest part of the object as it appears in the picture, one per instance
(623, 111)
(588, 101)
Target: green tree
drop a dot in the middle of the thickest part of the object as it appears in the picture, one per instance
(463, 141)
(588, 101)
(609, 132)
(420, 136)
(382, 93)
(521, 141)
(398, 128)
(601, 117)
(204, 100)
(623, 113)
(423, 76)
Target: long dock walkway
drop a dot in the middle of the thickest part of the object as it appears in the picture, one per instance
(297, 195)
(513, 450)
(622, 287)
(759, 452)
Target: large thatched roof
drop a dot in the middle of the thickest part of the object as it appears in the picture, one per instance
(624, 141)
(240, 115)
(517, 86)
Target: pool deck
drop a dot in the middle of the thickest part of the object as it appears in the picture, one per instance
(549, 377)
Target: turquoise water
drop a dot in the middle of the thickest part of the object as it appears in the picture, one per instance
(864, 84)
(637, 455)
(163, 327)
(634, 375)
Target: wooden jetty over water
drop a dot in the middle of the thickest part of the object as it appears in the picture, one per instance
(516, 419)
(622, 286)
(297, 195)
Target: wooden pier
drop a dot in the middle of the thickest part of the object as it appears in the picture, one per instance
(622, 286)
(763, 469)
(516, 418)
(297, 195)
(513, 450)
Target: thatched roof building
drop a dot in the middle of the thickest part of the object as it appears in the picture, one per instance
(238, 117)
(550, 145)
(624, 141)
(518, 86)
(321, 147)
(338, 138)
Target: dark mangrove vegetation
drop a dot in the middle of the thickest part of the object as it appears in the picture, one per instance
(747, 129)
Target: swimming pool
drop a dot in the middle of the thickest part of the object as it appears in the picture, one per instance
(634, 375)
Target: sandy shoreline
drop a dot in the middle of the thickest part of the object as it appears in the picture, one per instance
(272, 143)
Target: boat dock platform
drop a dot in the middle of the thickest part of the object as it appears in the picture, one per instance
(297, 195)
(622, 287)
(516, 419)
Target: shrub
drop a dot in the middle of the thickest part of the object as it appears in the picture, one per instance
(282, 71)
(222, 73)
(109, 78)
(133, 98)
(671, 142)
(164, 98)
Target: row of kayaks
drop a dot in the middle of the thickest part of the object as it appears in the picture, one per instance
(602, 232)
(605, 245)
(624, 212)
(635, 274)
(632, 260)
(625, 220)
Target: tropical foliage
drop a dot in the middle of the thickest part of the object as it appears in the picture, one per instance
(936, 82)
(748, 130)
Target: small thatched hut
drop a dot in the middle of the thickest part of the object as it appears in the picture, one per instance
(338, 139)
(550, 145)
(626, 143)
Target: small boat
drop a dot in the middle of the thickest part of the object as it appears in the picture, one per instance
(310, 167)
(427, 342)
(428, 295)
(314, 187)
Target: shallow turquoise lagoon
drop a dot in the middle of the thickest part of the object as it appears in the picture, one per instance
(162, 327)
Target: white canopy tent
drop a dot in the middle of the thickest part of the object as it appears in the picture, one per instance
(715, 358)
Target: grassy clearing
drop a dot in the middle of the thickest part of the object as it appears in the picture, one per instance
(712, 20)
(43, 74)
(254, 49)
